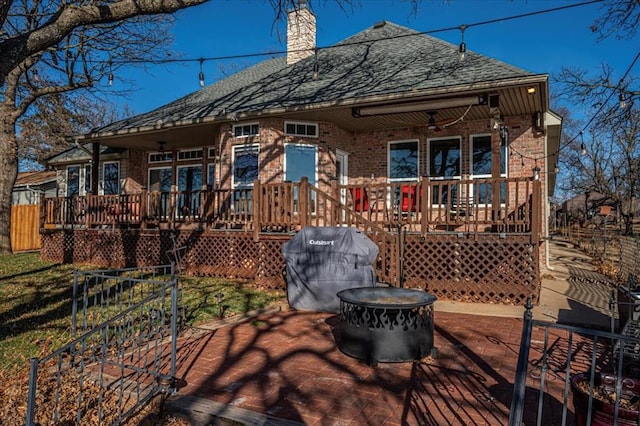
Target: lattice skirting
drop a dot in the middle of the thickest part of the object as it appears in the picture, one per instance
(478, 268)
(481, 268)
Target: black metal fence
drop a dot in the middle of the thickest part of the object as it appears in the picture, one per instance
(578, 376)
(123, 352)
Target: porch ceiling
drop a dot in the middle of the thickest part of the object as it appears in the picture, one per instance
(512, 101)
(173, 137)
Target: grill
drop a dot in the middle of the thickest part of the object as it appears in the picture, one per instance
(385, 324)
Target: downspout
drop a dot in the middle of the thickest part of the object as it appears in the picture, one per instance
(546, 204)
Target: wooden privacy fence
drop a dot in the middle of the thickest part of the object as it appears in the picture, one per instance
(25, 227)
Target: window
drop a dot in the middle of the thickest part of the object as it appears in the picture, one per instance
(301, 129)
(160, 179)
(444, 158)
(481, 158)
(403, 160)
(73, 181)
(189, 186)
(111, 178)
(245, 164)
(246, 130)
(444, 163)
(87, 179)
(212, 153)
(300, 161)
(160, 182)
(211, 175)
(191, 154)
(160, 157)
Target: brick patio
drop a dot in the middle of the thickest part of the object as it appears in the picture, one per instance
(286, 367)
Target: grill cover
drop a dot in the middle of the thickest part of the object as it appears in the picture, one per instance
(321, 261)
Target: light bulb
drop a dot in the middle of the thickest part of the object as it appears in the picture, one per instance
(201, 74)
(462, 50)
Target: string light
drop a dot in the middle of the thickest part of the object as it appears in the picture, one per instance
(201, 74)
(315, 65)
(462, 49)
(110, 75)
(583, 148)
(555, 168)
(623, 102)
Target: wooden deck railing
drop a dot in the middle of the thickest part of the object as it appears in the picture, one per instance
(421, 206)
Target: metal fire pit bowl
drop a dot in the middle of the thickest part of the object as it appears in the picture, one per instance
(385, 324)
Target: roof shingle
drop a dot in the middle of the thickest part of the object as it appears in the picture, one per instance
(386, 59)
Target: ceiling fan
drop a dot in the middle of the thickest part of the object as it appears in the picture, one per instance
(432, 124)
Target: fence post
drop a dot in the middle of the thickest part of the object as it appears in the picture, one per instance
(520, 383)
(74, 305)
(31, 396)
(174, 326)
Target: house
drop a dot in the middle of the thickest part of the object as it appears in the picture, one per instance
(443, 162)
(28, 191)
(31, 187)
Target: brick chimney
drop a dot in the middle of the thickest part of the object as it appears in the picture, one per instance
(301, 33)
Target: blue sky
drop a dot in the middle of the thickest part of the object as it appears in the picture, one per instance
(541, 44)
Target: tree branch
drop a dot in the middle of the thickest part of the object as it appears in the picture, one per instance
(16, 49)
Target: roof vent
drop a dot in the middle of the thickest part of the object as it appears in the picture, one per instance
(379, 24)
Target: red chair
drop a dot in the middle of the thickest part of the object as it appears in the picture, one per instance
(409, 199)
(360, 199)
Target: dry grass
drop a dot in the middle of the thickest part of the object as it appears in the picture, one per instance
(35, 318)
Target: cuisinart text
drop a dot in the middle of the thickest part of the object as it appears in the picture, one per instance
(321, 242)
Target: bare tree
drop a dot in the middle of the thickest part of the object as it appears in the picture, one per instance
(46, 128)
(604, 158)
(49, 48)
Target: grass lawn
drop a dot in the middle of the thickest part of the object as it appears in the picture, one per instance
(35, 305)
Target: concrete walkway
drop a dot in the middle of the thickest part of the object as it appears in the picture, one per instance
(572, 293)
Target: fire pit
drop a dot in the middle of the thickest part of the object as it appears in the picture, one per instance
(385, 324)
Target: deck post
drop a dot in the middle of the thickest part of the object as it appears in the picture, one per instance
(426, 214)
(88, 208)
(335, 206)
(303, 201)
(536, 213)
(143, 208)
(257, 209)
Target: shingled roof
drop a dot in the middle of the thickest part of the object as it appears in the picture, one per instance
(382, 61)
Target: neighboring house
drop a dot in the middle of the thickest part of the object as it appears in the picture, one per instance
(387, 130)
(29, 190)
(31, 187)
(74, 172)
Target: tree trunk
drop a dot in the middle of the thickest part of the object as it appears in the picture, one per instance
(9, 168)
